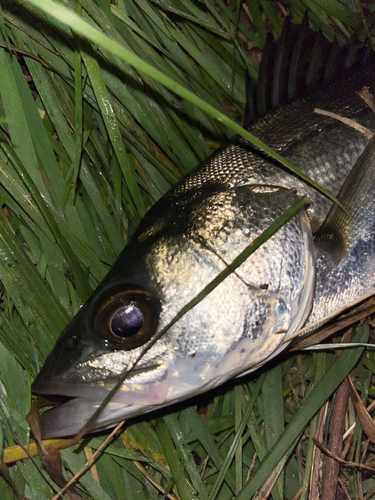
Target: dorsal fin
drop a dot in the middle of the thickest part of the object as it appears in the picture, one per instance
(300, 61)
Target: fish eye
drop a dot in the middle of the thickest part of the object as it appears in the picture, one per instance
(127, 321)
(127, 318)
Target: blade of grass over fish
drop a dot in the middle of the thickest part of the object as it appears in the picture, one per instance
(79, 26)
(262, 238)
(315, 399)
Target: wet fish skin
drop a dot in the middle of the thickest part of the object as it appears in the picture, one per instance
(185, 241)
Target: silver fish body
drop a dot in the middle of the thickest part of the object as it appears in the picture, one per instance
(191, 235)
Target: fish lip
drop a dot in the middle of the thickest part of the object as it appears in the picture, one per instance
(85, 389)
(74, 383)
(51, 389)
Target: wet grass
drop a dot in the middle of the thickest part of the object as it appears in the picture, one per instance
(93, 132)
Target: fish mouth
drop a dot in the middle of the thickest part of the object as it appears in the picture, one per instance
(73, 404)
(69, 416)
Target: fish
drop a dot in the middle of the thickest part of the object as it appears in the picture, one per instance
(319, 261)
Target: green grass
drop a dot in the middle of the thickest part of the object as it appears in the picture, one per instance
(96, 124)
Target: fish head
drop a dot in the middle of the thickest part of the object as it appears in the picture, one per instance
(178, 250)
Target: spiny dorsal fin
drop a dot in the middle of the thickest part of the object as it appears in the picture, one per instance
(296, 64)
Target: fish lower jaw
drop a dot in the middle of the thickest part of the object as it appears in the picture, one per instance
(70, 417)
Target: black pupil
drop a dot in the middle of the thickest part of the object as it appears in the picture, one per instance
(127, 321)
